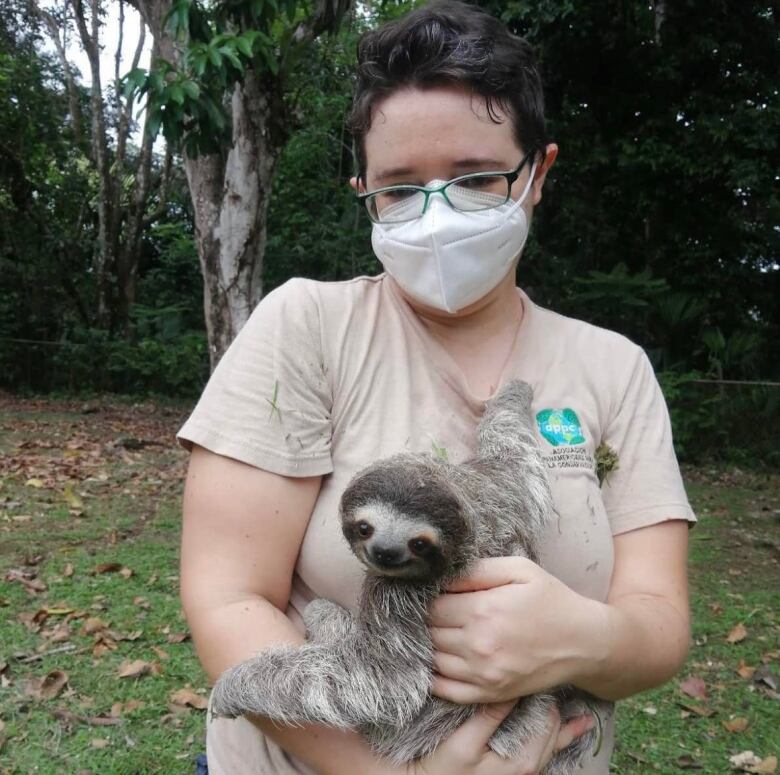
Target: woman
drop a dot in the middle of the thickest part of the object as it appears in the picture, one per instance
(327, 377)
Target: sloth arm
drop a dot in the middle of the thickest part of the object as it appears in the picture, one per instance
(242, 530)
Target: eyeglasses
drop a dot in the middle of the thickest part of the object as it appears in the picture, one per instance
(468, 193)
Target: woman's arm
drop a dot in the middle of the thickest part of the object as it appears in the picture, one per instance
(243, 527)
(520, 630)
(645, 635)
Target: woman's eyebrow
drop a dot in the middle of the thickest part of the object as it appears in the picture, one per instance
(492, 164)
(460, 164)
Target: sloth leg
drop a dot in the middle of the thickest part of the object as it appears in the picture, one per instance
(327, 622)
(290, 684)
(527, 720)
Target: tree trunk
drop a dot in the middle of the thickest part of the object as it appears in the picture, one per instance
(230, 191)
(231, 205)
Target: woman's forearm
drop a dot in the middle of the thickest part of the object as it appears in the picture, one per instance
(636, 642)
(231, 633)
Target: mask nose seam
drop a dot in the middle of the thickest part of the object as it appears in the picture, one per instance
(437, 254)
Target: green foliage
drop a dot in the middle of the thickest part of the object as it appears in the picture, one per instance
(220, 43)
(667, 130)
(721, 422)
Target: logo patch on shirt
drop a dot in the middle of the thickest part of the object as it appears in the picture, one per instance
(561, 427)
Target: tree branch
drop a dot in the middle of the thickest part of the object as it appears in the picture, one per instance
(53, 29)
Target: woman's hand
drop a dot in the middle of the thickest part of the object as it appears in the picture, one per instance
(511, 630)
(466, 751)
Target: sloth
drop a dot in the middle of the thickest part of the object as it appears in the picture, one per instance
(417, 523)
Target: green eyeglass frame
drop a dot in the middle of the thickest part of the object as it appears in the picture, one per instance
(510, 175)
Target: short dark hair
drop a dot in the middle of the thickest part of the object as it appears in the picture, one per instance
(450, 42)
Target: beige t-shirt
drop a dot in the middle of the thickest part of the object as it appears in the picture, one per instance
(327, 377)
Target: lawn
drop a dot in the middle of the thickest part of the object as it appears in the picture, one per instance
(97, 672)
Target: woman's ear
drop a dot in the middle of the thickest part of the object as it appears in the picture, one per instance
(551, 153)
(358, 186)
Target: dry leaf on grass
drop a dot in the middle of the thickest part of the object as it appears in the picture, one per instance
(48, 687)
(737, 634)
(99, 742)
(183, 697)
(765, 676)
(177, 637)
(695, 687)
(744, 671)
(738, 724)
(120, 708)
(68, 570)
(138, 668)
(72, 498)
(106, 567)
(747, 761)
(92, 624)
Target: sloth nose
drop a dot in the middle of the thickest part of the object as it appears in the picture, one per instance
(386, 555)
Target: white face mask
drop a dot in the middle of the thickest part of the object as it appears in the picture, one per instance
(450, 258)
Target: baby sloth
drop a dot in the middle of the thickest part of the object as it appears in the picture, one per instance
(417, 523)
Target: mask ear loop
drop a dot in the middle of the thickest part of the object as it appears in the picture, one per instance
(527, 185)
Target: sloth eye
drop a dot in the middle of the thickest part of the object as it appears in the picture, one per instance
(419, 545)
(364, 529)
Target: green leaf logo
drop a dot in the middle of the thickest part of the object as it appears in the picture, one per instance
(560, 427)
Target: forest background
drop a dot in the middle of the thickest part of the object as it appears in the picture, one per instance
(661, 218)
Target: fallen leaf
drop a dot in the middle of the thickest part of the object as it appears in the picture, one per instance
(48, 687)
(106, 567)
(72, 498)
(747, 761)
(125, 572)
(68, 571)
(59, 610)
(103, 721)
(766, 766)
(699, 710)
(37, 483)
(183, 697)
(764, 676)
(695, 687)
(177, 637)
(118, 708)
(687, 762)
(737, 634)
(60, 633)
(99, 742)
(744, 759)
(92, 625)
(138, 668)
(650, 710)
(141, 602)
(161, 653)
(744, 671)
(738, 724)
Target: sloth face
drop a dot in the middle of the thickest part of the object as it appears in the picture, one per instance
(391, 543)
(403, 519)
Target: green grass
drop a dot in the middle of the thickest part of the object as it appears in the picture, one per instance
(735, 578)
(130, 515)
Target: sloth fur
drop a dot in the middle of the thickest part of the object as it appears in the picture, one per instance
(417, 523)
